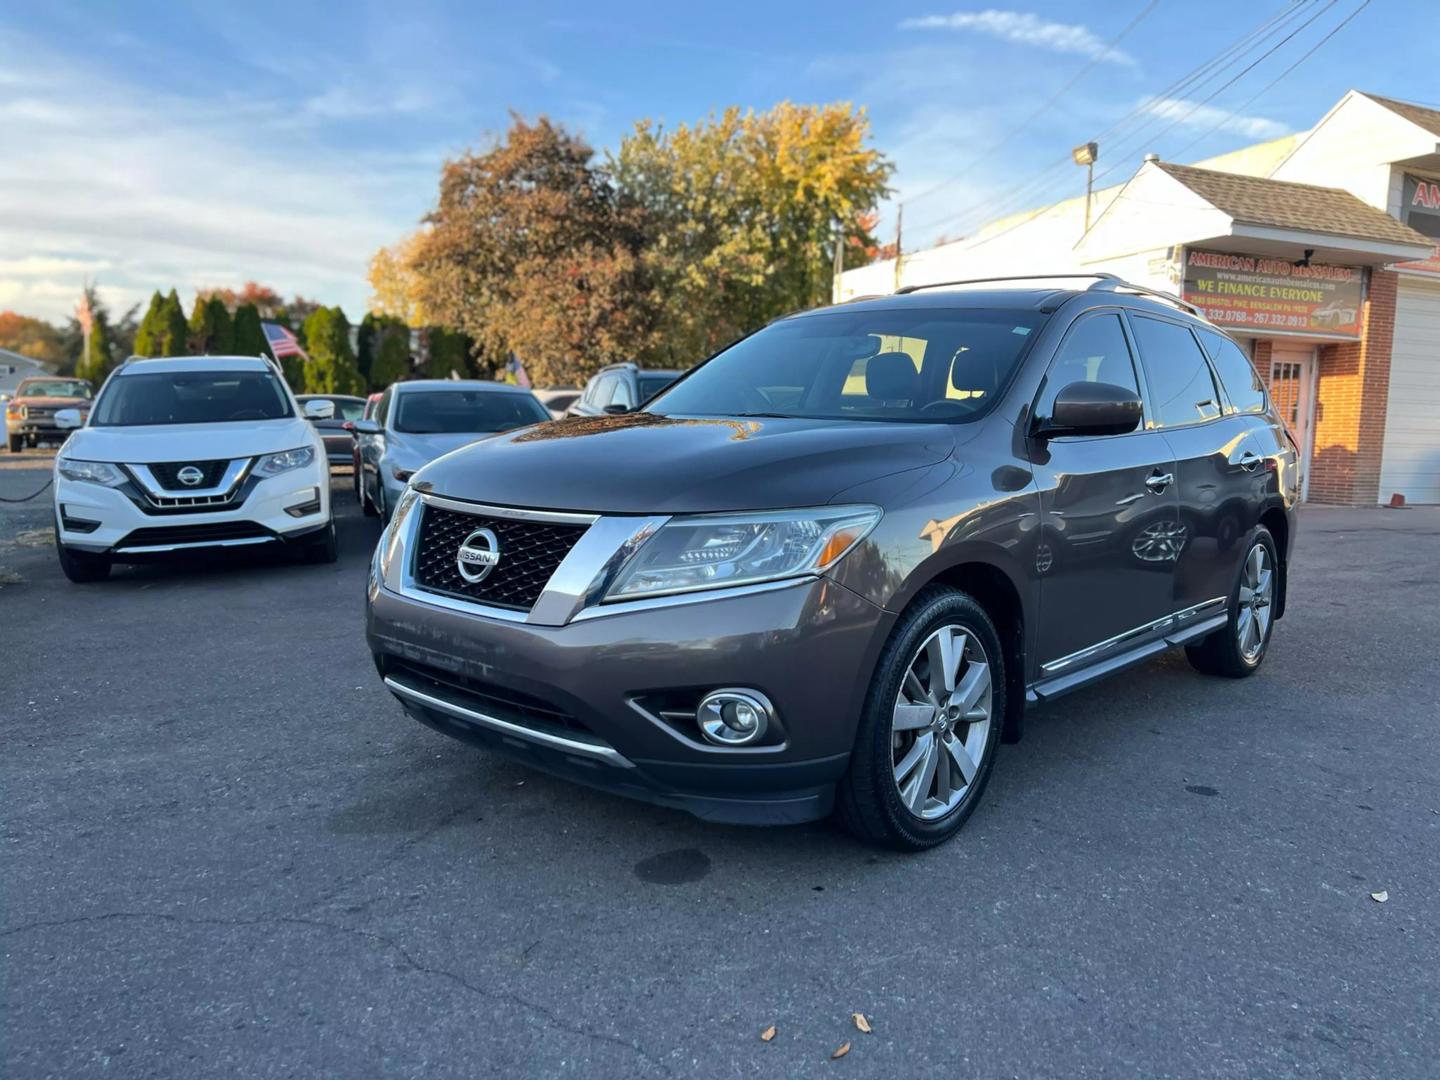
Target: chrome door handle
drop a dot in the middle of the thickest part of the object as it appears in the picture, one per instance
(1249, 461)
(1158, 482)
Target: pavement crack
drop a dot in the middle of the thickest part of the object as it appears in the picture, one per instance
(546, 1015)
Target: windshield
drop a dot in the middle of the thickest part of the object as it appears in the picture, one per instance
(346, 408)
(457, 412)
(191, 397)
(70, 388)
(909, 365)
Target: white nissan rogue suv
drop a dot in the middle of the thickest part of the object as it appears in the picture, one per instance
(190, 453)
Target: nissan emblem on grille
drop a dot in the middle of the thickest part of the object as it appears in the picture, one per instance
(190, 476)
(477, 555)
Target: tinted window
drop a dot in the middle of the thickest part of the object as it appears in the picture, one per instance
(915, 364)
(622, 395)
(433, 412)
(1181, 389)
(650, 385)
(382, 410)
(1095, 351)
(1237, 374)
(191, 397)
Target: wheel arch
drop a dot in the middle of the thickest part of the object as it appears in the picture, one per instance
(1278, 522)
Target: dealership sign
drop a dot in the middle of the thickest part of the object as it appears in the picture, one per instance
(1270, 295)
(1420, 209)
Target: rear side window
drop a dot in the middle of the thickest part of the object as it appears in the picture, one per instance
(1095, 351)
(1181, 388)
(1237, 374)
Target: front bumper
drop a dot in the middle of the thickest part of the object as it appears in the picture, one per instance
(578, 700)
(107, 521)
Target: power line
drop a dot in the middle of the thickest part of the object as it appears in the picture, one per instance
(1272, 83)
(990, 152)
(1196, 77)
(1232, 81)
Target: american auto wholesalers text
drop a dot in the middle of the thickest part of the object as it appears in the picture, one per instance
(1273, 267)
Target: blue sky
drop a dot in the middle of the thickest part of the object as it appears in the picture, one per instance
(148, 145)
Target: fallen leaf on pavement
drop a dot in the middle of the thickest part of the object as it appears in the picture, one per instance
(767, 1034)
(841, 1051)
(861, 1022)
(1380, 897)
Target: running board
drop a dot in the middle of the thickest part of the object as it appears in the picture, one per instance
(1049, 689)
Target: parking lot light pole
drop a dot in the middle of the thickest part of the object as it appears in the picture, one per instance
(1086, 154)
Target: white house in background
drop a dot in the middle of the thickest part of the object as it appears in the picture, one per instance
(1317, 250)
(14, 367)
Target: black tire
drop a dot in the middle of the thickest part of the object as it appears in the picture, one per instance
(17, 443)
(80, 567)
(382, 504)
(325, 548)
(1220, 653)
(868, 801)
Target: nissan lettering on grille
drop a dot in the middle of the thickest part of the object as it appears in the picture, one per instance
(477, 555)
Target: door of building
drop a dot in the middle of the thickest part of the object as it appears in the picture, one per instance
(1292, 389)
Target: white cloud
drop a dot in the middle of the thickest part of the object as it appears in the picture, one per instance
(141, 190)
(1025, 28)
(1191, 114)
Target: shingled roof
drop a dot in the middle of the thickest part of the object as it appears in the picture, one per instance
(1255, 200)
(1429, 119)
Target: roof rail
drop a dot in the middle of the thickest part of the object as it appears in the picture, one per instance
(904, 289)
(1115, 284)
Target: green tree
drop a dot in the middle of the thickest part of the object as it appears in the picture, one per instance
(173, 333)
(331, 368)
(529, 249)
(151, 326)
(249, 335)
(95, 359)
(392, 356)
(211, 331)
(448, 352)
(742, 212)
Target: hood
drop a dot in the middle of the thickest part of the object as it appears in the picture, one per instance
(189, 442)
(643, 463)
(417, 450)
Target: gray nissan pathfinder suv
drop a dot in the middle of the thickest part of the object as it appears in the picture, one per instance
(829, 567)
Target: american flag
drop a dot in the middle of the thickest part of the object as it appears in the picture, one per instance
(282, 342)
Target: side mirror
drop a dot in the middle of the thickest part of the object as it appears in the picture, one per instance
(319, 409)
(366, 427)
(65, 419)
(1086, 408)
(348, 425)
(615, 409)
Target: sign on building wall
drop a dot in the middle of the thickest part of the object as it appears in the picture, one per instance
(1420, 209)
(1261, 294)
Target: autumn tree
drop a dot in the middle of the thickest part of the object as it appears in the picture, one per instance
(530, 250)
(396, 286)
(249, 334)
(742, 212)
(30, 337)
(331, 367)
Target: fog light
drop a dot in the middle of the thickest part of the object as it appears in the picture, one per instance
(310, 506)
(734, 717)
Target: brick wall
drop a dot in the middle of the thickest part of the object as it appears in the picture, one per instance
(1350, 400)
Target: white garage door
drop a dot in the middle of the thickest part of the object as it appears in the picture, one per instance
(1411, 459)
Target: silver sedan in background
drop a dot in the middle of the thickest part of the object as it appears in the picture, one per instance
(416, 422)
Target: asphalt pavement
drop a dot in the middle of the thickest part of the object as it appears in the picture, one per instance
(228, 853)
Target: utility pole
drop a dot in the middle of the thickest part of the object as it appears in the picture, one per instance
(899, 236)
(839, 265)
(1086, 154)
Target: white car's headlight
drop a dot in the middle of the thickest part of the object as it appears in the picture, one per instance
(713, 551)
(275, 464)
(95, 472)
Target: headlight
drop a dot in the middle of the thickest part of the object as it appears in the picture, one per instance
(392, 539)
(713, 551)
(275, 464)
(94, 472)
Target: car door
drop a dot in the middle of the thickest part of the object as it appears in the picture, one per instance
(1216, 463)
(1104, 500)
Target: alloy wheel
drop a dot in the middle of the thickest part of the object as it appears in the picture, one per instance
(1257, 594)
(942, 722)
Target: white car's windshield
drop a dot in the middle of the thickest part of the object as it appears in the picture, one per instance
(191, 397)
(906, 365)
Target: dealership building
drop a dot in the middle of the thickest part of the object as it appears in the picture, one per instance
(1318, 252)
